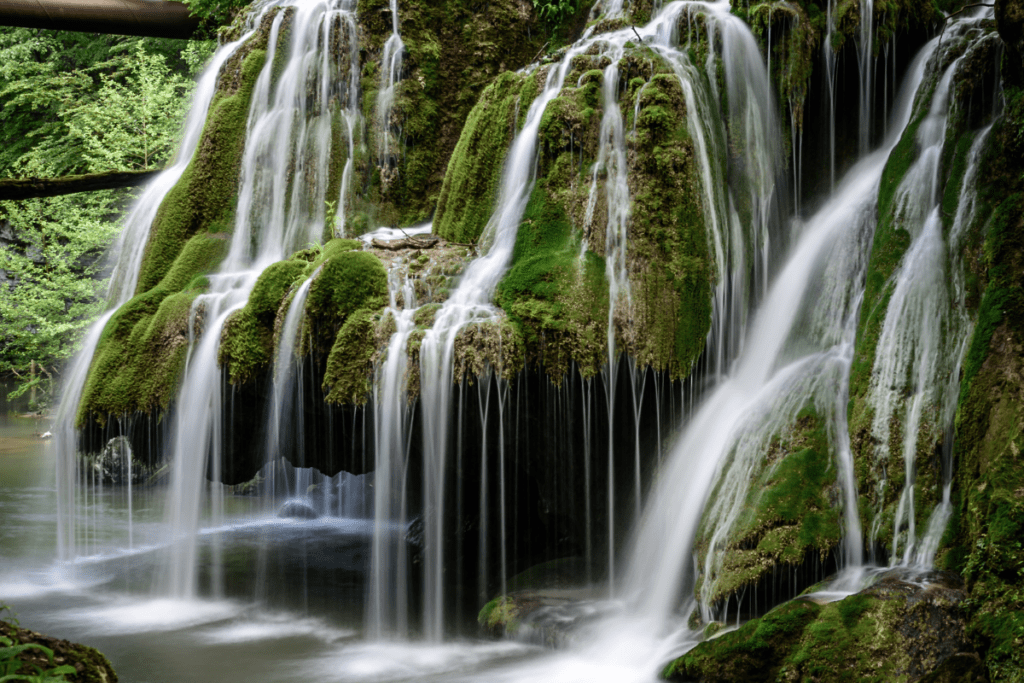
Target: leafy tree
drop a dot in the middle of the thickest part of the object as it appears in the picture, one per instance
(75, 104)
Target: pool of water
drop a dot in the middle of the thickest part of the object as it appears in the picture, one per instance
(289, 606)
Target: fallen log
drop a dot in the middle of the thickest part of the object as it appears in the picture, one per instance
(411, 242)
(30, 188)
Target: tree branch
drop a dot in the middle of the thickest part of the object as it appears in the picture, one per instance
(156, 18)
(30, 188)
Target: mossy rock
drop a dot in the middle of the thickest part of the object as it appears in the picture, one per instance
(556, 291)
(141, 352)
(557, 301)
(349, 368)
(790, 513)
(90, 665)
(892, 631)
(247, 339)
(500, 616)
(348, 281)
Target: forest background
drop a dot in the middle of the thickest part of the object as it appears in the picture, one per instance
(75, 103)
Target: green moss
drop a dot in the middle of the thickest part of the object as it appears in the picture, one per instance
(890, 243)
(348, 281)
(890, 632)
(500, 614)
(204, 197)
(788, 515)
(349, 370)
(247, 339)
(557, 301)
(453, 51)
(671, 269)
(751, 653)
(142, 349)
(474, 172)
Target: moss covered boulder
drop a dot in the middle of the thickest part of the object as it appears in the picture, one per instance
(556, 293)
(896, 630)
(789, 518)
(87, 664)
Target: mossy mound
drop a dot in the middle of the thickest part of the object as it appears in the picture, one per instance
(556, 293)
(350, 286)
(89, 664)
(791, 513)
(142, 350)
(349, 369)
(671, 271)
(348, 281)
(557, 301)
(893, 631)
(204, 198)
(247, 339)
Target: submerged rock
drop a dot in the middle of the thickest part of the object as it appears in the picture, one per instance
(117, 464)
(298, 509)
(902, 628)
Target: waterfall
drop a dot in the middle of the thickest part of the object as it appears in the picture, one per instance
(286, 400)
(128, 254)
(915, 378)
(388, 599)
(767, 386)
(281, 207)
(781, 340)
(391, 73)
(469, 303)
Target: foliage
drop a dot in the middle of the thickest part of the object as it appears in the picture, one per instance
(555, 11)
(75, 103)
(10, 663)
(215, 13)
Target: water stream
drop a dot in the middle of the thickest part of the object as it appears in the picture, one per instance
(786, 305)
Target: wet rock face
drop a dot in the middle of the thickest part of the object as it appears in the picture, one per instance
(902, 628)
(1010, 23)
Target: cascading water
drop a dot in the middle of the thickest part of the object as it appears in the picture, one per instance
(391, 74)
(281, 207)
(722, 439)
(388, 599)
(796, 352)
(925, 332)
(285, 402)
(124, 278)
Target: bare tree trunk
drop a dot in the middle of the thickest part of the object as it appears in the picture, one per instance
(157, 18)
(29, 188)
